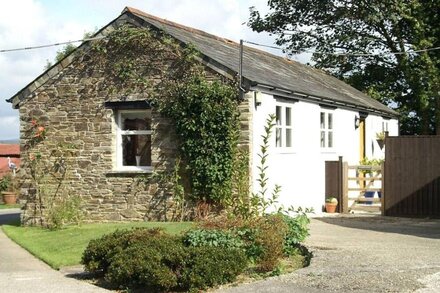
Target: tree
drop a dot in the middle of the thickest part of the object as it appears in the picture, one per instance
(67, 49)
(408, 82)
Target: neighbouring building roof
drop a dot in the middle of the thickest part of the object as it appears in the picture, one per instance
(260, 69)
(9, 150)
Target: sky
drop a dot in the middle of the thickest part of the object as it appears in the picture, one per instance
(25, 23)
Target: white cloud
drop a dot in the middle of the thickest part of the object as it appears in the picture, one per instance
(8, 126)
(34, 27)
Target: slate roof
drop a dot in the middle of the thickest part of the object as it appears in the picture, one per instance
(266, 69)
(260, 69)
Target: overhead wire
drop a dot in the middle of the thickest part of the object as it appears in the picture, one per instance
(245, 41)
(51, 45)
(348, 54)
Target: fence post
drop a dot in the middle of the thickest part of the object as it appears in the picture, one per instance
(382, 198)
(344, 203)
(340, 184)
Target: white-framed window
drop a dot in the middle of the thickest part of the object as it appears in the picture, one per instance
(133, 140)
(284, 127)
(326, 129)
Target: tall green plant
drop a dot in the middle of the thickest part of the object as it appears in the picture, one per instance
(244, 204)
(262, 199)
(238, 204)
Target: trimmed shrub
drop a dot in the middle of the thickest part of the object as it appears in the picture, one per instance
(208, 266)
(99, 252)
(154, 263)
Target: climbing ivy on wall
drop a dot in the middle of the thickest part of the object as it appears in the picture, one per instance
(205, 112)
(206, 119)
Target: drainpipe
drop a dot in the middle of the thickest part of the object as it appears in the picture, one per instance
(240, 69)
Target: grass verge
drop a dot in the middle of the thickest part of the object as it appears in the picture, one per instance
(65, 247)
(9, 206)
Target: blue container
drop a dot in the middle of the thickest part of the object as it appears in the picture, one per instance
(369, 194)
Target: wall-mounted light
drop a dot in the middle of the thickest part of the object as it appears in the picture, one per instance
(258, 97)
(357, 122)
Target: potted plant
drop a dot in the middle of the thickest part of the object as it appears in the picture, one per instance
(330, 204)
(8, 189)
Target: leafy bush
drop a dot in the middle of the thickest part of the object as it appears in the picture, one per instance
(5, 182)
(216, 238)
(208, 266)
(263, 237)
(271, 230)
(296, 233)
(252, 248)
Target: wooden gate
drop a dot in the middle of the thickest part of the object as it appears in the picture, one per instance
(357, 187)
(362, 188)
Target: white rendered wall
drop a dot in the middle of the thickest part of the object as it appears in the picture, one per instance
(374, 125)
(300, 170)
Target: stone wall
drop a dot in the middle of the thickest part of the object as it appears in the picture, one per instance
(73, 113)
(71, 108)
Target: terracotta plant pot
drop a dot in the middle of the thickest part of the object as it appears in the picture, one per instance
(9, 197)
(330, 207)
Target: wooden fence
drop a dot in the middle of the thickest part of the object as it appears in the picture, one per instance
(412, 176)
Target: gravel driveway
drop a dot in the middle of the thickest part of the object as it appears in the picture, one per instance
(364, 254)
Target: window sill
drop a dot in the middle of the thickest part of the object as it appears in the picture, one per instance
(129, 172)
(328, 151)
(285, 151)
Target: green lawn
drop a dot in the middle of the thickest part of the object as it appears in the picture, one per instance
(64, 247)
(9, 206)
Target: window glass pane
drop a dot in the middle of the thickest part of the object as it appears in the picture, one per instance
(288, 137)
(278, 137)
(278, 115)
(322, 120)
(136, 150)
(288, 116)
(330, 121)
(330, 139)
(136, 121)
(323, 139)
